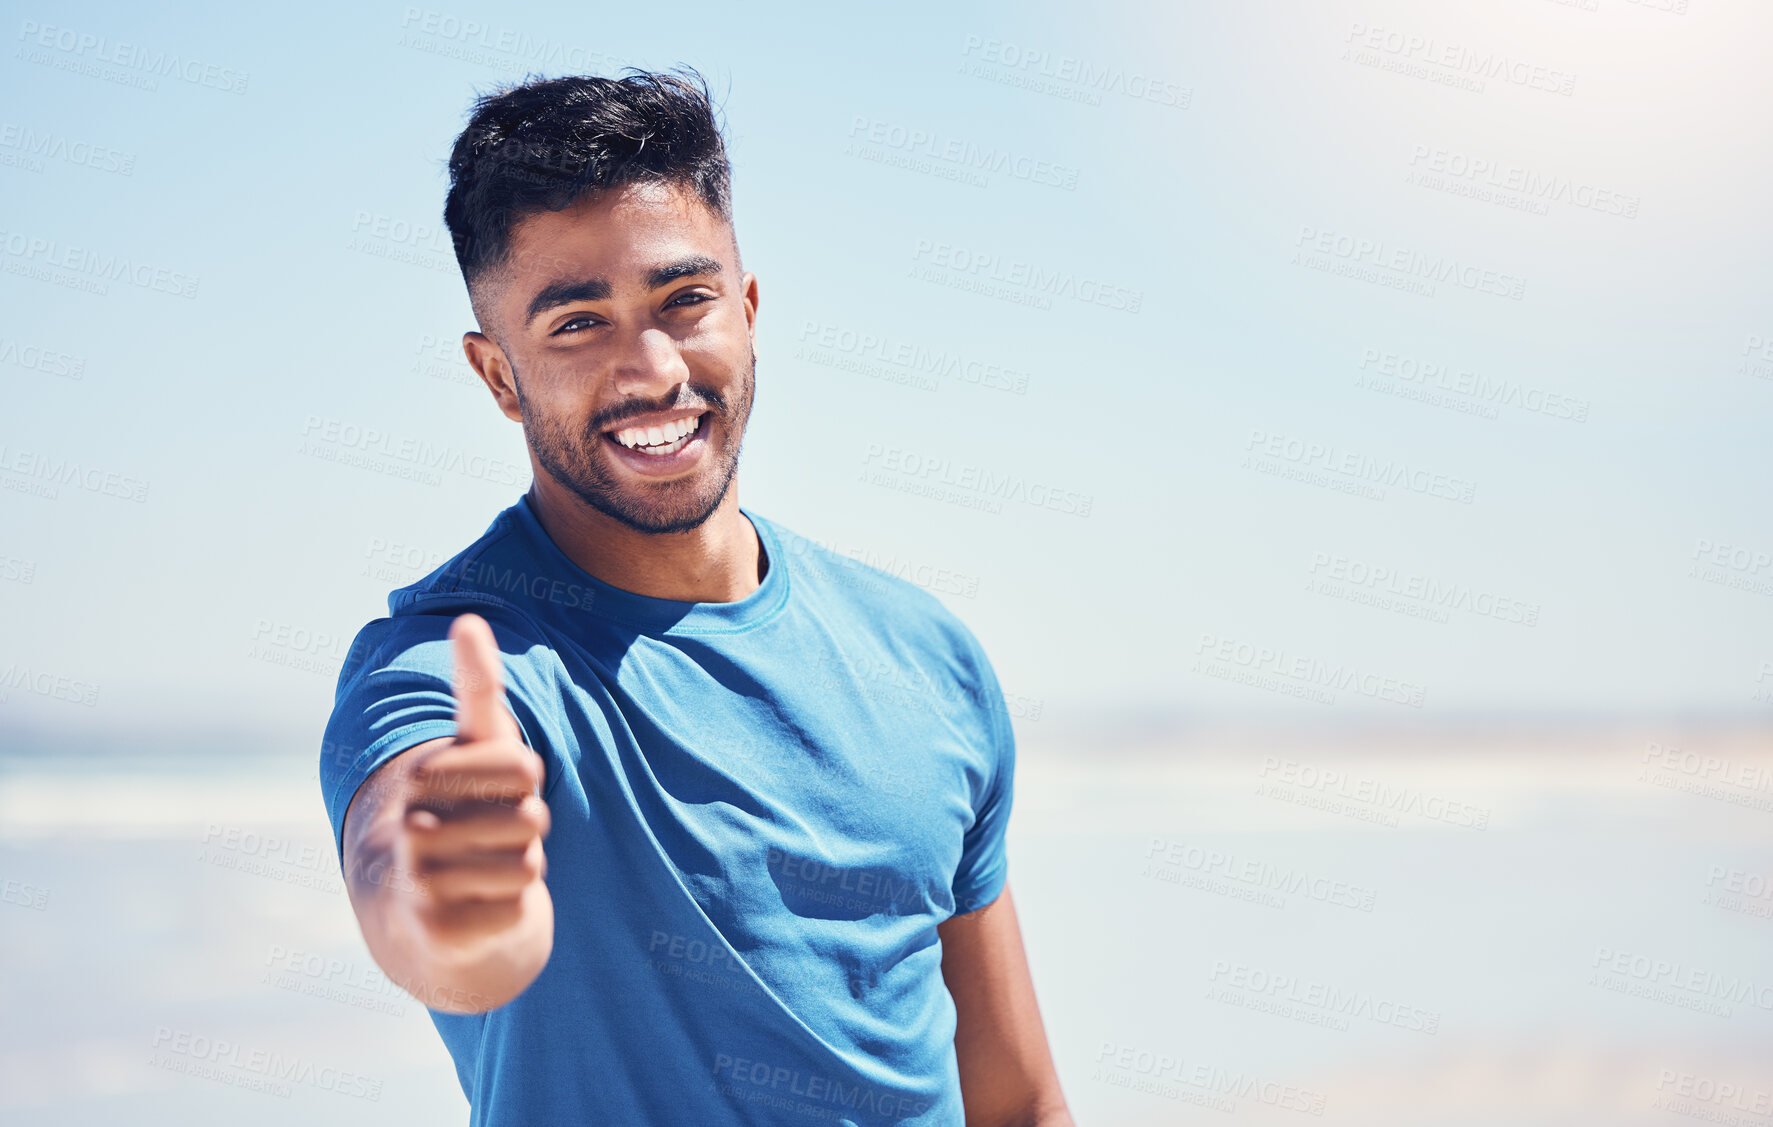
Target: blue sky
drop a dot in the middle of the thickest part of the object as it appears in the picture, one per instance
(1326, 362)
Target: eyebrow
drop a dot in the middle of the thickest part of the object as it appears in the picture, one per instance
(556, 294)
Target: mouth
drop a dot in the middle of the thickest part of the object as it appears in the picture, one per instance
(660, 447)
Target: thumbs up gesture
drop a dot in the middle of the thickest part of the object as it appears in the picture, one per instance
(476, 920)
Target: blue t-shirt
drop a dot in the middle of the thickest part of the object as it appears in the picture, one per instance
(761, 811)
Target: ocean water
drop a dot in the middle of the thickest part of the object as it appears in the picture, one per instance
(1506, 926)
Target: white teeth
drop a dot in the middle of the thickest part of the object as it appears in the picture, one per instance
(666, 439)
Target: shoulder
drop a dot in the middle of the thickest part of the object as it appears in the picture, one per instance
(510, 570)
(881, 592)
(495, 577)
(484, 574)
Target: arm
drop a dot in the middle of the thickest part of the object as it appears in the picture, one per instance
(1007, 1077)
(443, 851)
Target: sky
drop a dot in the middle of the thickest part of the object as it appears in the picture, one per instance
(1341, 362)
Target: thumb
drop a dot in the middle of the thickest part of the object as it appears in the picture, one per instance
(479, 685)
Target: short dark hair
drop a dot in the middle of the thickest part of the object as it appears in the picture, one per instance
(547, 143)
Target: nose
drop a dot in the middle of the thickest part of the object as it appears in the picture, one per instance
(647, 364)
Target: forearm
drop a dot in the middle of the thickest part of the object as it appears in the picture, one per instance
(1048, 1110)
(1057, 1117)
(1007, 1076)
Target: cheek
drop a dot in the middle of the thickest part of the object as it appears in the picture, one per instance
(561, 392)
(708, 353)
(722, 337)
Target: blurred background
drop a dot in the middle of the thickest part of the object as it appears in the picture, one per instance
(1344, 424)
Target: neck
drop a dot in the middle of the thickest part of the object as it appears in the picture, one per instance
(719, 561)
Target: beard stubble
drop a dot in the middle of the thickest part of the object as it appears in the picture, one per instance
(580, 462)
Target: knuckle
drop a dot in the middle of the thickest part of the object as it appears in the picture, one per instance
(535, 813)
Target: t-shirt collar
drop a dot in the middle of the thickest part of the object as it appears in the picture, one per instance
(667, 615)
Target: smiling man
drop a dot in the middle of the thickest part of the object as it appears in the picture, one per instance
(668, 816)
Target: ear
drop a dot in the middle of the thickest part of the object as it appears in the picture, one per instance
(749, 295)
(489, 363)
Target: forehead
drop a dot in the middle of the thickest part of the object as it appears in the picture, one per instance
(619, 234)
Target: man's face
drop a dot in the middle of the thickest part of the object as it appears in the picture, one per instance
(626, 349)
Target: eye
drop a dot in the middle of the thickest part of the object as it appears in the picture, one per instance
(699, 298)
(570, 325)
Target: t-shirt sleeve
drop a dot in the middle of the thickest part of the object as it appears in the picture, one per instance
(984, 861)
(394, 693)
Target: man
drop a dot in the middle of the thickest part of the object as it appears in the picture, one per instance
(773, 797)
